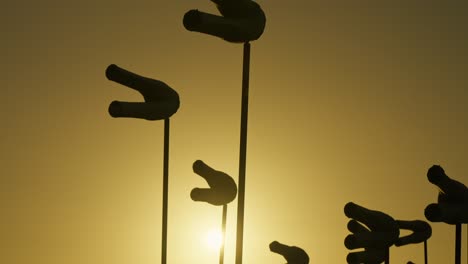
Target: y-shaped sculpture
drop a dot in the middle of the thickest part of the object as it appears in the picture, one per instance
(380, 234)
(161, 102)
(452, 206)
(222, 191)
(241, 21)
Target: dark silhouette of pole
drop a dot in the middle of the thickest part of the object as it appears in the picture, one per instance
(425, 251)
(458, 243)
(387, 258)
(243, 152)
(165, 191)
(223, 232)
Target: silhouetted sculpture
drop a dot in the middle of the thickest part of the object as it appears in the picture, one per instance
(381, 233)
(422, 231)
(222, 191)
(292, 254)
(161, 101)
(452, 206)
(242, 21)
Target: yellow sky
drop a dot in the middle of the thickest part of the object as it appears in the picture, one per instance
(348, 102)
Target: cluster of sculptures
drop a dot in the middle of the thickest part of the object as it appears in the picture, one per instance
(373, 232)
(380, 231)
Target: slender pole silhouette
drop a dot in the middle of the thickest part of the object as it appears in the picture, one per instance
(387, 259)
(160, 102)
(243, 152)
(223, 232)
(425, 251)
(458, 243)
(165, 191)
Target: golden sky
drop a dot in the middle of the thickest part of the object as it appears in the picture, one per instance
(348, 102)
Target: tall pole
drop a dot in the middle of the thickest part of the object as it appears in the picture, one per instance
(425, 251)
(165, 191)
(458, 243)
(223, 232)
(243, 152)
(387, 257)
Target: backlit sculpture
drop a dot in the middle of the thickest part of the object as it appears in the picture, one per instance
(377, 233)
(292, 254)
(452, 206)
(241, 21)
(223, 188)
(161, 101)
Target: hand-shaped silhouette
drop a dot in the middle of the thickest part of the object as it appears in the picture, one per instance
(422, 231)
(381, 233)
(452, 206)
(292, 254)
(222, 191)
(242, 21)
(161, 101)
(451, 191)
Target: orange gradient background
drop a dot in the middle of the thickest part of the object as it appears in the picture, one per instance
(348, 102)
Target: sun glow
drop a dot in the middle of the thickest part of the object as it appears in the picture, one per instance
(214, 239)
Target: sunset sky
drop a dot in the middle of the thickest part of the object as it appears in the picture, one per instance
(348, 102)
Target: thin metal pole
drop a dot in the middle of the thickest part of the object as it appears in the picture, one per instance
(165, 191)
(425, 251)
(458, 243)
(223, 232)
(387, 258)
(243, 152)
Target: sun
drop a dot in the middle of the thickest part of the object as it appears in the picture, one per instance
(214, 239)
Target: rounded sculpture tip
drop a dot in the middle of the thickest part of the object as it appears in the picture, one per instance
(349, 208)
(435, 174)
(195, 195)
(198, 166)
(111, 70)
(274, 246)
(192, 19)
(352, 258)
(115, 109)
(350, 242)
(433, 213)
(355, 227)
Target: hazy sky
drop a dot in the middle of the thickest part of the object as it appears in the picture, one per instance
(348, 102)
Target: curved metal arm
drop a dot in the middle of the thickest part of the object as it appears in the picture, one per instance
(422, 231)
